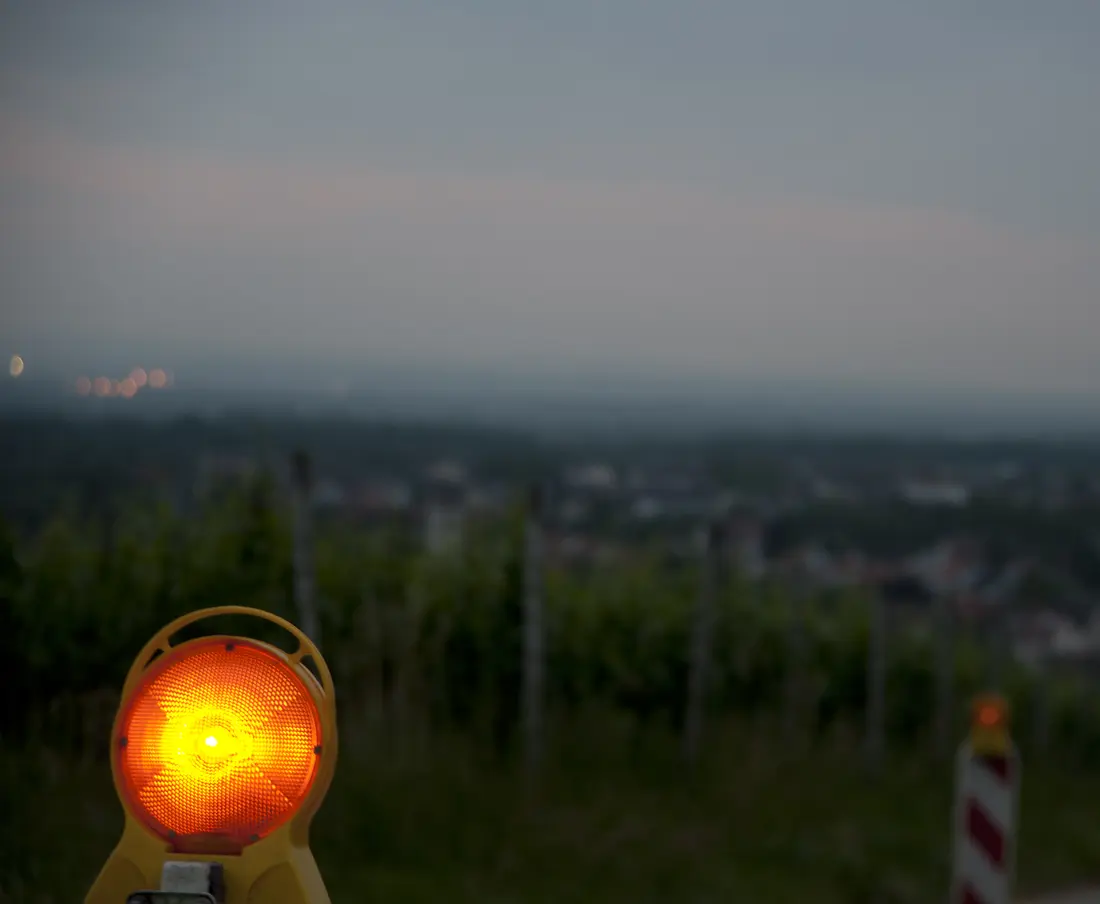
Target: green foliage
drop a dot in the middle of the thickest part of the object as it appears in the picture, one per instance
(435, 643)
(442, 637)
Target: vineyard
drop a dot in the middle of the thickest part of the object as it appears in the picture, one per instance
(427, 656)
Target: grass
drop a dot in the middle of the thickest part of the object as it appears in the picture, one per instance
(609, 821)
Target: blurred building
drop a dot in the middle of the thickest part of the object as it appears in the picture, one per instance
(935, 493)
(446, 498)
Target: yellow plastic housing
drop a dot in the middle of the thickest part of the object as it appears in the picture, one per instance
(206, 733)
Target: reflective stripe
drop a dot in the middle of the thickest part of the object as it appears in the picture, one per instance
(984, 833)
(988, 881)
(994, 792)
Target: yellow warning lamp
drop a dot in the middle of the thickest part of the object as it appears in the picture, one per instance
(989, 726)
(222, 750)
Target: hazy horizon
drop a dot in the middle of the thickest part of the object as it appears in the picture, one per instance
(845, 203)
(669, 409)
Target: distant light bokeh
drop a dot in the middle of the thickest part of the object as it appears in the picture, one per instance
(126, 388)
(15, 368)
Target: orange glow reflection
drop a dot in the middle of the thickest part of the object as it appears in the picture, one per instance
(158, 379)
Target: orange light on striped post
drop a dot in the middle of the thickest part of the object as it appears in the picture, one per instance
(989, 726)
(986, 795)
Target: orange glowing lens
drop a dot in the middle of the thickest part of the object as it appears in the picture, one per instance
(989, 715)
(220, 741)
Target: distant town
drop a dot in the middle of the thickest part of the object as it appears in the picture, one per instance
(998, 529)
(597, 513)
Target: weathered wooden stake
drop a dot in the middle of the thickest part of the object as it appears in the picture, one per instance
(533, 646)
(702, 639)
(997, 647)
(877, 644)
(796, 655)
(1041, 704)
(304, 598)
(944, 638)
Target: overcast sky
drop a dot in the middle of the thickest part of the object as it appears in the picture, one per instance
(902, 193)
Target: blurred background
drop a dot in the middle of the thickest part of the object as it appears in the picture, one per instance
(665, 417)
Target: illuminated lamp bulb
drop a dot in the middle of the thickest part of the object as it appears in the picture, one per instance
(220, 740)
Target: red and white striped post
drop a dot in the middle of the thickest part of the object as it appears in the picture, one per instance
(986, 806)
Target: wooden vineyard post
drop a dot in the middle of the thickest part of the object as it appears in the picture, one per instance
(702, 640)
(877, 643)
(533, 629)
(304, 598)
(944, 637)
(797, 641)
